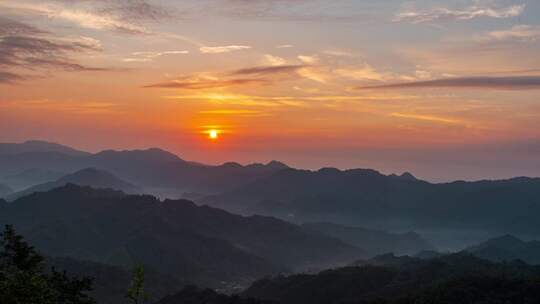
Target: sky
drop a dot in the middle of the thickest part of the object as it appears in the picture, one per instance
(443, 89)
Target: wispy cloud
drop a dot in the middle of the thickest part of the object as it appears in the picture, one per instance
(83, 17)
(7, 77)
(504, 83)
(516, 33)
(223, 49)
(431, 118)
(136, 10)
(150, 56)
(366, 72)
(268, 70)
(446, 14)
(307, 59)
(260, 75)
(199, 84)
(14, 27)
(23, 47)
(274, 60)
(235, 112)
(293, 10)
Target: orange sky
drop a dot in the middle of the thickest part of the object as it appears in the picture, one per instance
(394, 86)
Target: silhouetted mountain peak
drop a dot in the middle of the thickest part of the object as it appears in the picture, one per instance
(363, 172)
(86, 177)
(92, 172)
(154, 154)
(232, 165)
(408, 176)
(97, 178)
(39, 146)
(329, 170)
(508, 248)
(71, 189)
(276, 165)
(180, 203)
(506, 240)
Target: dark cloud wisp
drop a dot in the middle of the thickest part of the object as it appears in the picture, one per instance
(206, 84)
(268, 70)
(502, 83)
(24, 47)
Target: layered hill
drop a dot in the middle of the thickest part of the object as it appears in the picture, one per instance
(37, 146)
(204, 245)
(31, 177)
(376, 200)
(5, 191)
(156, 170)
(456, 278)
(374, 242)
(508, 248)
(87, 177)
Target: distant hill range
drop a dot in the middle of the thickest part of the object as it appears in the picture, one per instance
(508, 248)
(204, 245)
(29, 178)
(153, 169)
(5, 191)
(38, 146)
(374, 242)
(87, 177)
(390, 201)
(356, 197)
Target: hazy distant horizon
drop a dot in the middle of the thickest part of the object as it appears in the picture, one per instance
(423, 165)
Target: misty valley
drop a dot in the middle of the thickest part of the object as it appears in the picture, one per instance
(187, 232)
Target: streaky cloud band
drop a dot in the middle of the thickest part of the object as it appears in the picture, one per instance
(503, 83)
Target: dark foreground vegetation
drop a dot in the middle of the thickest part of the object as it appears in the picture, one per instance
(24, 279)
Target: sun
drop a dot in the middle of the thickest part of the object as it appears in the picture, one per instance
(213, 134)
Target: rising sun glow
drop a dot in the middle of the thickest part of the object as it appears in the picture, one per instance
(213, 134)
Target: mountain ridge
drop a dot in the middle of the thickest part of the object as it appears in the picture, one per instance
(194, 243)
(85, 177)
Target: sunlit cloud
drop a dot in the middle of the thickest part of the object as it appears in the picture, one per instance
(338, 53)
(274, 60)
(516, 33)
(198, 84)
(223, 49)
(446, 14)
(78, 107)
(235, 112)
(150, 56)
(366, 72)
(427, 118)
(313, 74)
(284, 46)
(308, 59)
(81, 17)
